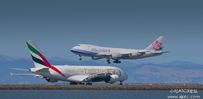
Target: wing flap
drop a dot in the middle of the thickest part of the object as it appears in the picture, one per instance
(78, 78)
(89, 78)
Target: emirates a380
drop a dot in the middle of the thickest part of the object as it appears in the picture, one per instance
(98, 52)
(73, 74)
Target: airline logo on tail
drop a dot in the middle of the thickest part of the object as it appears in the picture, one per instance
(157, 45)
(39, 58)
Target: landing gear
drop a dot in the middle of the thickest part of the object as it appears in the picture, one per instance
(81, 83)
(121, 83)
(80, 58)
(73, 83)
(117, 61)
(88, 83)
(108, 60)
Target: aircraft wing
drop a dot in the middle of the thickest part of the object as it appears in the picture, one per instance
(89, 78)
(125, 53)
(78, 78)
(130, 53)
(160, 52)
(105, 54)
(143, 52)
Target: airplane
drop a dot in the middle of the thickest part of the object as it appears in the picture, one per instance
(73, 74)
(98, 52)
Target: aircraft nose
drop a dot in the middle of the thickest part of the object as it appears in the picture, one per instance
(72, 49)
(126, 76)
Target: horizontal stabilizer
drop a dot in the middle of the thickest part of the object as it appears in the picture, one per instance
(22, 74)
(36, 75)
(45, 69)
(19, 69)
(40, 69)
(160, 52)
(166, 52)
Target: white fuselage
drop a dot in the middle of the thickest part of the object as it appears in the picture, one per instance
(77, 73)
(108, 52)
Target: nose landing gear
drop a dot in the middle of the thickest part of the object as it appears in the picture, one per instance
(80, 58)
(108, 60)
(121, 83)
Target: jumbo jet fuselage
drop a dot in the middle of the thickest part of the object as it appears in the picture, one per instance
(98, 52)
(78, 73)
(73, 74)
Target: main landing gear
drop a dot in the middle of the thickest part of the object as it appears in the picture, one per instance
(117, 61)
(108, 60)
(88, 83)
(121, 83)
(74, 83)
(80, 58)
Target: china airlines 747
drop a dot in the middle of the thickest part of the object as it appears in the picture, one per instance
(73, 74)
(97, 52)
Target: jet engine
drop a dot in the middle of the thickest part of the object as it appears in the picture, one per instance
(115, 56)
(52, 80)
(148, 53)
(96, 58)
(134, 54)
(111, 79)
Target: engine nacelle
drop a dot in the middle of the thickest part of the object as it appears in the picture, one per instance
(148, 53)
(134, 54)
(96, 58)
(52, 80)
(115, 56)
(111, 79)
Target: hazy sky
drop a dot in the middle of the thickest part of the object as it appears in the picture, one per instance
(58, 25)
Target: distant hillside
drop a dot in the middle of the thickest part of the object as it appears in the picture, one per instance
(171, 72)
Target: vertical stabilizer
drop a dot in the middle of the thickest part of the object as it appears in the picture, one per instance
(157, 44)
(38, 59)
